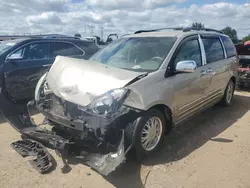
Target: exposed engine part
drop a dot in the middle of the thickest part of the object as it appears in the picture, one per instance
(42, 161)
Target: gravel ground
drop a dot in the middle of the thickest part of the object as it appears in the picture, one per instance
(210, 150)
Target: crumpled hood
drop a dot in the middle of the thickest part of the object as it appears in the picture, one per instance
(80, 81)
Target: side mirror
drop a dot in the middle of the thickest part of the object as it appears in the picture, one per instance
(14, 57)
(188, 66)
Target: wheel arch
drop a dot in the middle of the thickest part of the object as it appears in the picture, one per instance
(167, 114)
(233, 78)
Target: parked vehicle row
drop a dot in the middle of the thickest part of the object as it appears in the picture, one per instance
(128, 95)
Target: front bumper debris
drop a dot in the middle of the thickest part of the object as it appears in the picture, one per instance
(103, 163)
(42, 160)
(66, 145)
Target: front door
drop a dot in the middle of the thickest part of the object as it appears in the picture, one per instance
(189, 88)
(23, 68)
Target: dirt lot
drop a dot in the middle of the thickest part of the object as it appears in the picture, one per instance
(211, 150)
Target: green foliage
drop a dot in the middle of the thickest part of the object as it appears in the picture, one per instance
(78, 35)
(232, 33)
(198, 25)
(246, 38)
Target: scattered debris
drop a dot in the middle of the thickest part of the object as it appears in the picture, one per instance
(41, 158)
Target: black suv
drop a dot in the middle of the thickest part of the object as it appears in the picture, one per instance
(24, 61)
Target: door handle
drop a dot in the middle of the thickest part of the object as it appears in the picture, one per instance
(203, 73)
(211, 72)
(47, 65)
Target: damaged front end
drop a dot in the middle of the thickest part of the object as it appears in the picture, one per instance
(97, 139)
(92, 130)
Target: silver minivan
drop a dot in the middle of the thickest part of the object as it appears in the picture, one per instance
(131, 93)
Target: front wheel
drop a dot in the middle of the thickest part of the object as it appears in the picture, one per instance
(229, 93)
(146, 134)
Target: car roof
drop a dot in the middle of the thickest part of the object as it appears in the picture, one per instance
(173, 33)
(55, 39)
(18, 40)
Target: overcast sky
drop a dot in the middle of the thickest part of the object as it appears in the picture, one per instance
(119, 16)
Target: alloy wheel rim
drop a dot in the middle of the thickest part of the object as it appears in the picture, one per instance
(151, 133)
(229, 92)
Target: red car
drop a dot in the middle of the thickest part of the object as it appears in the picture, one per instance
(244, 67)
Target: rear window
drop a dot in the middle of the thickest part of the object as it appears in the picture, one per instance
(229, 47)
(65, 49)
(213, 49)
(90, 48)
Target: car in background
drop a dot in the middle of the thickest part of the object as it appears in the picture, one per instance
(244, 64)
(24, 61)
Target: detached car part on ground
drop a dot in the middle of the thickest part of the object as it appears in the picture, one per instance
(125, 98)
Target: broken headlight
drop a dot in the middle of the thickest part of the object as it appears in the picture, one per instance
(107, 103)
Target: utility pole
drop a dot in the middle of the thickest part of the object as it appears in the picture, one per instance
(91, 29)
(85, 29)
(102, 33)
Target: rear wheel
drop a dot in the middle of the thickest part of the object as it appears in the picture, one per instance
(229, 93)
(146, 134)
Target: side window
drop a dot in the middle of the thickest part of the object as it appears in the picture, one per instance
(34, 51)
(19, 53)
(64, 49)
(213, 49)
(229, 46)
(189, 51)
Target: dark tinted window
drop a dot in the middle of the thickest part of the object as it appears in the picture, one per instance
(90, 48)
(64, 49)
(34, 51)
(189, 51)
(229, 46)
(213, 49)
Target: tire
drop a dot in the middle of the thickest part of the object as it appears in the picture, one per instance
(134, 135)
(228, 94)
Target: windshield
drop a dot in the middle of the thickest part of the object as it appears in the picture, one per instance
(6, 45)
(141, 54)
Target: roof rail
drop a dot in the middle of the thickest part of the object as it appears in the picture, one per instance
(160, 29)
(59, 37)
(201, 29)
(184, 29)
